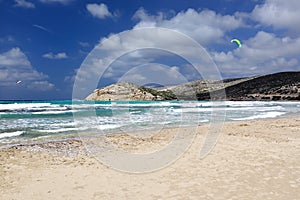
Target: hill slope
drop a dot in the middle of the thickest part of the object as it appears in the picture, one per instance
(279, 86)
(189, 91)
(129, 91)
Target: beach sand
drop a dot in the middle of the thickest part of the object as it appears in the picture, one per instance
(251, 160)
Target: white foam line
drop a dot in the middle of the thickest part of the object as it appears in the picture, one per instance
(11, 134)
(262, 116)
(107, 126)
(62, 130)
(52, 112)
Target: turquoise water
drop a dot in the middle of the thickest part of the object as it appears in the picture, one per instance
(30, 121)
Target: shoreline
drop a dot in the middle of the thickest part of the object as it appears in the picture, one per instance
(257, 159)
(76, 136)
(58, 121)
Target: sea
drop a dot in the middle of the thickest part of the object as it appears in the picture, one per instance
(23, 122)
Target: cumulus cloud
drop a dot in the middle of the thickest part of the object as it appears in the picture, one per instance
(24, 4)
(41, 85)
(264, 53)
(122, 54)
(268, 45)
(118, 54)
(99, 10)
(205, 26)
(14, 66)
(153, 73)
(57, 56)
(14, 57)
(278, 14)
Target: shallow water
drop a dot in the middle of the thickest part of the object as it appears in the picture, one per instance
(30, 121)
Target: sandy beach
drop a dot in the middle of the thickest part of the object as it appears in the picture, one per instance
(251, 160)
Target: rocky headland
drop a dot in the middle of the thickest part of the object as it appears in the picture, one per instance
(129, 92)
(279, 86)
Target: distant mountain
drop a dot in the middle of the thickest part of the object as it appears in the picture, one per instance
(279, 86)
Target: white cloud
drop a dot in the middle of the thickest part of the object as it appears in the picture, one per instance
(279, 14)
(141, 14)
(264, 53)
(14, 66)
(268, 45)
(205, 26)
(24, 4)
(57, 56)
(14, 57)
(41, 85)
(261, 54)
(99, 10)
(153, 73)
(118, 54)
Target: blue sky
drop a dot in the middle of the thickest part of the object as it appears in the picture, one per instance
(43, 43)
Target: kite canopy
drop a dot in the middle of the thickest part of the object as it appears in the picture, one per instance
(238, 42)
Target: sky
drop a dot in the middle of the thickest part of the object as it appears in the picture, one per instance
(50, 44)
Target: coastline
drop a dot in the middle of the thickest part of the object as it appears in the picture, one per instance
(252, 160)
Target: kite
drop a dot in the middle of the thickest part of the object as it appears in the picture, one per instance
(237, 41)
(18, 82)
